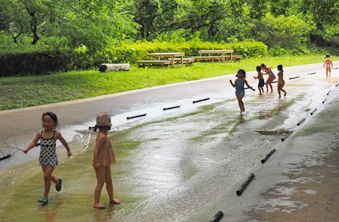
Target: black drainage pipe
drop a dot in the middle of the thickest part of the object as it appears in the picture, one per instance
(295, 77)
(301, 121)
(328, 92)
(267, 156)
(312, 73)
(315, 110)
(5, 157)
(336, 85)
(173, 107)
(245, 184)
(324, 101)
(336, 68)
(200, 100)
(137, 116)
(217, 216)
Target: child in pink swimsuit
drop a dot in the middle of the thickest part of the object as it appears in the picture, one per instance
(328, 64)
(103, 158)
(271, 76)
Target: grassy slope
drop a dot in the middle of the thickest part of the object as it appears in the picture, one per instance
(16, 92)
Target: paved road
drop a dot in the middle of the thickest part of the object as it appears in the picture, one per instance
(24, 123)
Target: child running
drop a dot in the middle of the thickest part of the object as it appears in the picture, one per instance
(239, 85)
(281, 81)
(48, 158)
(103, 158)
(271, 76)
(261, 80)
(329, 65)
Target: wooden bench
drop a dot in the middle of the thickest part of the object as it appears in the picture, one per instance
(187, 61)
(216, 55)
(143, 63)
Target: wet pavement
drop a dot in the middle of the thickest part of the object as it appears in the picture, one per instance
(173, 165)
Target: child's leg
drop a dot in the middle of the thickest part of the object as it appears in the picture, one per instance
(241, 103)
(267, 86)
(279, 90)
(271, 87)
(48, 170)
(100, 174)
(327, 70)
(109, 186)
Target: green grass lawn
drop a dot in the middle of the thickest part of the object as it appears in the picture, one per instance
(17, 92)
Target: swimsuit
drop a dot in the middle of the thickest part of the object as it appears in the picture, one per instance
(105, 154)
(281, 80)
(240, 88)
(271, 75)
(261, 83)
(48, 151)
(328, 64)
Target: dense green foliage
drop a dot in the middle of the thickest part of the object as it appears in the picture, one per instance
(96, 24)
(88, 32)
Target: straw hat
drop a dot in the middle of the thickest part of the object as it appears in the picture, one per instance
(103, 119)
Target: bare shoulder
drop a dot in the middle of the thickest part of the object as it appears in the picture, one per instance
(57, 135)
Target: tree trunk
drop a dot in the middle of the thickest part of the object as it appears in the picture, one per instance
(34, 28)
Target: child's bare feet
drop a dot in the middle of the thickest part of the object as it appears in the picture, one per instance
(99, 206)
(115, 201)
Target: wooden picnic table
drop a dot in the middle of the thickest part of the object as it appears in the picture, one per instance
(212, 55)
(170, 55)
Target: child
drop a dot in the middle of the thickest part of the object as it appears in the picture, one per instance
(48, 158)
(271, 76)
(103, 158)
(261, 80)
(239, 85)
(281, 81)
(328, 63)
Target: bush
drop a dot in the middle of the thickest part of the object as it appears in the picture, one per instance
(32, 62)
(40, 61)
(136, 51)
(281, 31)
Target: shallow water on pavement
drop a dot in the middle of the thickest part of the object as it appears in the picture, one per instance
(168, 166)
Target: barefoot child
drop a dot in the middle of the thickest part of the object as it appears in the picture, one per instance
(328, 64)
(281, 81)
(103, 158)
(270, 78)
(261, 80)
(48, 158)
(239, 85)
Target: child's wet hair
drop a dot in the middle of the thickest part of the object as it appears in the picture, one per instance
(258, 68)
(328, 56)
(263, 65)
(53, 116)
(241, 72)
(280, 67)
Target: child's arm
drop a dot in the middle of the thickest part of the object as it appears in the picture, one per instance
(324, 63)
(232, 83)
(33, 143)
(63, 141)
(99, 143)
(249, 85)
(331, 63)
